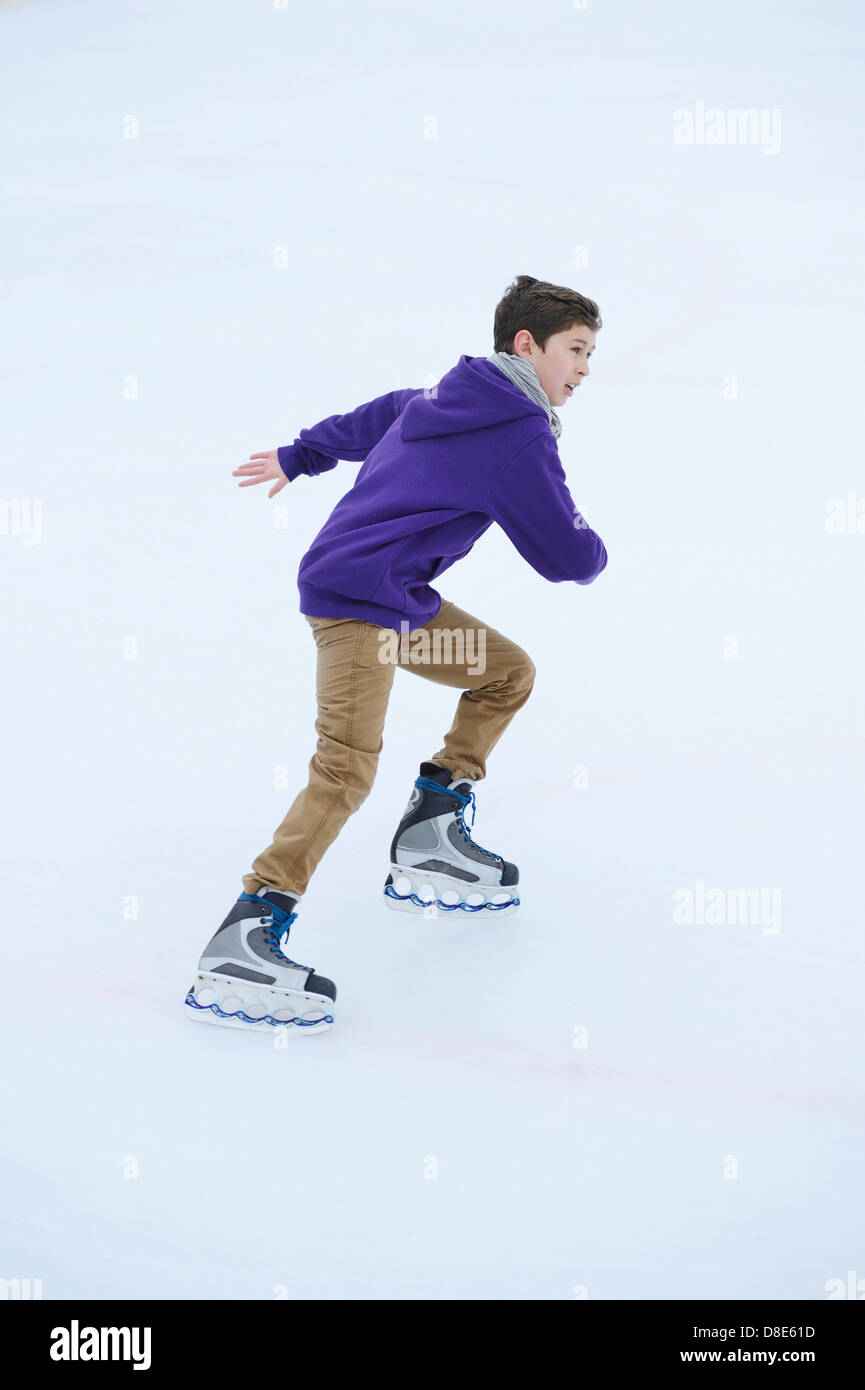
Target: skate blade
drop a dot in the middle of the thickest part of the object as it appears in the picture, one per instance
(434, 895)
(239, 1004)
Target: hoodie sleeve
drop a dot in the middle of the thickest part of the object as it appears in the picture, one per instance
(350, 436)
(531, 502)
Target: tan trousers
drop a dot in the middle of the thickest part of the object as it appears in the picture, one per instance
(355, 672)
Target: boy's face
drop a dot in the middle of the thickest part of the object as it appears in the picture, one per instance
(564, 362)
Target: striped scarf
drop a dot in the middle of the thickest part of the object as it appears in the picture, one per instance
(522, 374)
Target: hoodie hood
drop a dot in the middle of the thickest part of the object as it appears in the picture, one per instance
(472, 396)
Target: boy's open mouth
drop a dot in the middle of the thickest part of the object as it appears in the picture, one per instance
(569, 388)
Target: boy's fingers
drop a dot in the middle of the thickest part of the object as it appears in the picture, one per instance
(256, 471)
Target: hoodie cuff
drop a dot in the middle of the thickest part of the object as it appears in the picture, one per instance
(289, 461)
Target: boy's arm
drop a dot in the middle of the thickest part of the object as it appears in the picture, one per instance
(531, 502)
(350, 436)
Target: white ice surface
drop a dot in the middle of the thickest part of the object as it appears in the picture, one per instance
(446, 1138)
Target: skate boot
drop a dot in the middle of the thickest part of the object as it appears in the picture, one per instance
(435, 865)
(244, 979)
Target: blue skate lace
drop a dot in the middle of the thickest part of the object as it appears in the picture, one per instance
(429, 785)
(279, 924)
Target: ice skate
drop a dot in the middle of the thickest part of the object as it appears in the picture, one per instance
(436, 867)
(245, 980)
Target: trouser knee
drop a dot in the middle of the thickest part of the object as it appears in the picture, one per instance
(523, 673)
(349, 771)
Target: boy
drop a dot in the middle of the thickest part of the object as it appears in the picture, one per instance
(440, 465)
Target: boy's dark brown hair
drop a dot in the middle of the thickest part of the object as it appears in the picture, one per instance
(543, 309)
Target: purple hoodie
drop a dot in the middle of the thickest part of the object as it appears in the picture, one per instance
(442, 463)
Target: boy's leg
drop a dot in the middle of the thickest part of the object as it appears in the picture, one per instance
(495, 675)
(353, 688)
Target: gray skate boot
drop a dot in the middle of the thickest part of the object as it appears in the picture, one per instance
(244, 980)
(435, 865)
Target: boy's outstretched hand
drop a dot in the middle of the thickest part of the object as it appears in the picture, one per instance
(260, 469)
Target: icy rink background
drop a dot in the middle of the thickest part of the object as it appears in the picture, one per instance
(319, 204)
